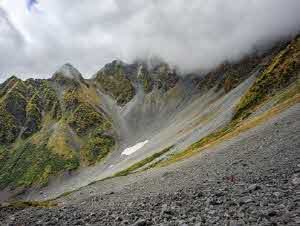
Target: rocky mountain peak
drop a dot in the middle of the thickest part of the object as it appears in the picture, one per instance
(68, 71)
(112, 67)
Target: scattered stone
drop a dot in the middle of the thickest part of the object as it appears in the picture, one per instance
(200, 194)
(140, 222)
(245, 200)
(264, 197)
(215, 202)
(254, 187)
(166, 210)
(12, 218)
(296, 179)
(219, 194)
(272, 213)
(297, 220)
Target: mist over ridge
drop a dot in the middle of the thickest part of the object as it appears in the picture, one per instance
(193, 35)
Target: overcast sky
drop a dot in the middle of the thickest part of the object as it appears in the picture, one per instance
(36, 39)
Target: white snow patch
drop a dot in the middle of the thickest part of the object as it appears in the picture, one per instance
(130, 150)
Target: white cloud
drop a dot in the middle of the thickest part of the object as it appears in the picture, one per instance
(189, 34)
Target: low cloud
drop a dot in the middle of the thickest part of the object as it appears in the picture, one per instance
(191, 35)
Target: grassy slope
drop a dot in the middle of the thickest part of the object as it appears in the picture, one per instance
(283, 70)
(58, 135)
(141, 163)
(280, 80)
(29, 163)
(284, 98)
(287, 99)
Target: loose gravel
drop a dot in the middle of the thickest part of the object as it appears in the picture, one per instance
(251, 179)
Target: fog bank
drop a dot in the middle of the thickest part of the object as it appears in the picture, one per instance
(196, 34)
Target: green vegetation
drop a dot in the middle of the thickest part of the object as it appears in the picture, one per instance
(19, 87)
(284, 100)
(147, 85)
(56, 112)
(15, 102)
(29, 164)
(28, 204)
(8, 127)
(71, 99)
(7, 85)
(229, 74)
(49, 95)
(288, 93)
(145, 79)
(91, 126)
(117, 85)
(85, 118)
(33, 117)
(280, 75)
(3, 155)
(96, 149)
(142, 163)
(60, 142)
(65, 81)
(282, 71)
(231, 80)
(47, 145)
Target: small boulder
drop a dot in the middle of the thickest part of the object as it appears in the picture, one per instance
(296, 179)
(253, 187)
(140, 222)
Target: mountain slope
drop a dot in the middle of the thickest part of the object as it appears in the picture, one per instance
(45, 128)
(66, 132)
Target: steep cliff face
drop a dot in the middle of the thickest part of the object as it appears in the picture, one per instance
(52, 126)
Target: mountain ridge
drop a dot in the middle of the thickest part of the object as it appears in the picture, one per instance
(66, 123)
